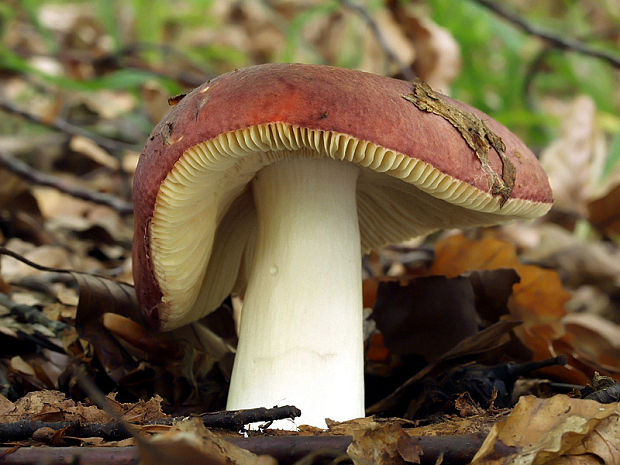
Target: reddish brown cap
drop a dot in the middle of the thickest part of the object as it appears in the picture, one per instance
(400, 131)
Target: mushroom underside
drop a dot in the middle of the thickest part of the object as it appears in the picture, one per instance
(206, 196)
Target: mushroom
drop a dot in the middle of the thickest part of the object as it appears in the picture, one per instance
(271, 181)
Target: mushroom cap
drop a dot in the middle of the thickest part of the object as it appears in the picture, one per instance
(418, 173)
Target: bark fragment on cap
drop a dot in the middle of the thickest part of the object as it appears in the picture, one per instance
(473, 130)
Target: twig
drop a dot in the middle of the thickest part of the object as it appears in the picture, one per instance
(559, 42)
(32, 315)
(21, 430)
(29, 174)
(237, 419)
(374, 27)
(36, 266)
(458, 449)
(67, 128)
(193, 77)
(230, 420)
(532, 70)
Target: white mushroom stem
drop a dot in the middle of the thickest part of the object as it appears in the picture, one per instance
(300, 341)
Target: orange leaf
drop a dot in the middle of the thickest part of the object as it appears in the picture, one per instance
(538, 298)
(456, 255)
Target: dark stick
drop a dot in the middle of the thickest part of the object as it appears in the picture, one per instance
(233, 420)
(31, 175)
(67, 128)
(374, 27)
(559, 42)
(33, 315)
(458, 449)
(236, 419)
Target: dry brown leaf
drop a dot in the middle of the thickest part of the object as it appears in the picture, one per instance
(90, 149)
(573, 162)
(412, 315)
(437, 53)
(75, 215)
(49, 405)
(46, 406)
(155, 98)
(373, 57)
(20, 365)
(580, 261)
(604, 204)
(538, 298)
(604, 212)
(544, 431)
(488, 339)
(595, 340)
(378, 442)
(47, 255)
(99, 295)
(455, 255)
(189, 443)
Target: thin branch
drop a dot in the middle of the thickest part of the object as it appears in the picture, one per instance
(458, 449)
(32, 315)
(376, 30)
(236, 419)
(534, 67)
(115, 430)
(31, 175)
(67, 128)
(565, 43)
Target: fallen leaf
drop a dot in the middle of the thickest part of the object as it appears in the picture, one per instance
(538, 300)
(19, 364)
(377, 443)
(544, 431)
(373, 58)
(409, 449)
(579, 260)
(412, 313)
(90, 149)
(539, 296)
(50, 405)
(485, 340)
(189, 442)
(573, 160)
(99, 295)
(437, 53)
(604, 204)
(596, 340)
(455, 255)
(493, 289)
(47, 255)
(412, 316)
(466, 406)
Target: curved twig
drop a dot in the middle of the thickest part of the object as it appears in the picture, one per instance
(31, 175)
(67, 128)
(566, 43)
(406, 71)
